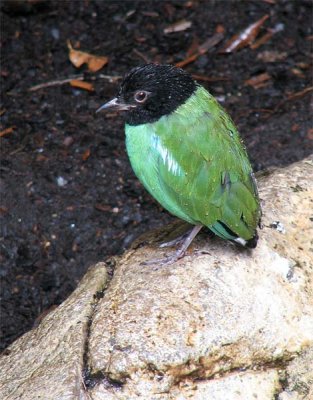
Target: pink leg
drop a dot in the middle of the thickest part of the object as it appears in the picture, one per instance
(176, 241)
(180, 252)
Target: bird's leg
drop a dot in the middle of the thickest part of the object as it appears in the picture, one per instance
(175, 241)
(180, 252)
(187, 242)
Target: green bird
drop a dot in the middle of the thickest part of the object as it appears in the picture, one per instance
(187, 152)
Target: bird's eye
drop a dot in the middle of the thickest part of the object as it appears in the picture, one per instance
(141, 96)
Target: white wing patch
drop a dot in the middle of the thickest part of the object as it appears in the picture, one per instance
(240, 241)
(166, 157)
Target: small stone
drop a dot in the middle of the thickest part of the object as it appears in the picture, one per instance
(278, 226)
(55, 33)
(61, 181)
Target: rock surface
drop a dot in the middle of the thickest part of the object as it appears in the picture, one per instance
(221, 323)
(47, 362)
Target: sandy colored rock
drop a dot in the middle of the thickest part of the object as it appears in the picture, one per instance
(299, 375)
(221, 323)
(47, 362)
(238, 386)
(220, 309)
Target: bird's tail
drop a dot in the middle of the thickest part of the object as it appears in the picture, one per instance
(252, 243)
(222, 230)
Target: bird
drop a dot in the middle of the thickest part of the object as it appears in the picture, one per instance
(188, 154)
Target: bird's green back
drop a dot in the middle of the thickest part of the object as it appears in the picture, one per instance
(193, 162)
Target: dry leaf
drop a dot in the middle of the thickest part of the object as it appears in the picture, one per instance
(310, 133)
(297, 72)
(303, 65)
(245, 37)
(178, 26)
(78, 58)
(7, 131)
(86, 155)
(41, 157)
(270, 56)
(220, 29)
(82, 85)
(152, 14)
(103, 207)
(295, 128)
(189, 4)
(258, 81)
(3, 210)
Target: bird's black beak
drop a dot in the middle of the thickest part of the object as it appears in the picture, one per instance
(116, 104)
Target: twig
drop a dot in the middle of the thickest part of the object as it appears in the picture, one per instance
(139, 54)
(17, 150)
(300, 94)
(292, 96)
(210, 78)
(270, 112)
(110, 78)
(202, 49)
(187, 60)
(55, 83)
(246, 114)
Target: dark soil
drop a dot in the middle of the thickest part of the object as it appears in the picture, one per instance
(68, 195)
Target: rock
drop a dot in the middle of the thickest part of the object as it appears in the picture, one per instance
(47, 362)
(221, 323)
(299, 376)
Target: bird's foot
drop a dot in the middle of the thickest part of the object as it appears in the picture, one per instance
(168, 260)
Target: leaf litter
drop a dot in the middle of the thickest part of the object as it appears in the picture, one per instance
(244, 38)
(78, 58)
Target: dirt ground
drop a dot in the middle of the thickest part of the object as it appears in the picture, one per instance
(68, 195)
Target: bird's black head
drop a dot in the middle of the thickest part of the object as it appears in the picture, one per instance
(151, 91)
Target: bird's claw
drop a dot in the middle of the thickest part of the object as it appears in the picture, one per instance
(169, 260)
